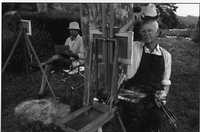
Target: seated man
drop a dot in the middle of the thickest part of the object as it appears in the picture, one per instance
(74, 50)
(150, 74)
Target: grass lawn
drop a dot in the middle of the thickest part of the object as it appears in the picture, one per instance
(183, 97)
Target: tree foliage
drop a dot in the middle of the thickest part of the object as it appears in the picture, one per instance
(188, 21)
(168, 18)
(123, 11)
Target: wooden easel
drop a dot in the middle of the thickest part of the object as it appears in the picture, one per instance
(94, 115)
(30, 48)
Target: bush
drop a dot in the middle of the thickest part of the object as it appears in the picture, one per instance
(195, 36)
(176, 32)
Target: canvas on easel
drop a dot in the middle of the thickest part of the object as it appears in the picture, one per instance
(26, 24)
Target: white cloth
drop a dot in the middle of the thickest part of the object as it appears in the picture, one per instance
(44, 110)
(156, 50)
(76, 46)
(137, 50)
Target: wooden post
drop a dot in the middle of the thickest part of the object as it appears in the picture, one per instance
(105, 47)
(114, 75)
(131, 15)
(84, 15)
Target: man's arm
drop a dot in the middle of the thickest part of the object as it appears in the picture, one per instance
(136, 18)
(67, 41)
(67, 49)
(127, 26)
(81, 53)
(166, 77)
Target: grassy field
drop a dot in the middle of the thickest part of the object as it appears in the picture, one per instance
(184, 93)
(183, 97)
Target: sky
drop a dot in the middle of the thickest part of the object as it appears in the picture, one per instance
(187, 9)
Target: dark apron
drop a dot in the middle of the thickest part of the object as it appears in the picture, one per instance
(149, 74)
(144, 116)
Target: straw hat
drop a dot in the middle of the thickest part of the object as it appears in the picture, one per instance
(74, 25)
(150, 10)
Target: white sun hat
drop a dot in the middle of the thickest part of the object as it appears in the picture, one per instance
(150, 10)
(74, 25)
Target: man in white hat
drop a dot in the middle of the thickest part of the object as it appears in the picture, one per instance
(149, 75)
(74, 49)
(147, 12)
(75, 41)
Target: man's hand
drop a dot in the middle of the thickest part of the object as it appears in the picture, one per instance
(74, 56)
(67, 47)
(67, 50)
(161, 95)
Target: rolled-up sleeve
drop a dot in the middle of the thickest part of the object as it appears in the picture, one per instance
(81, 52)
(67, 42)
(167, 72)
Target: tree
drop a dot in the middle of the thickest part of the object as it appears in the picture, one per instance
(168, 18)
(196, 32)
(42, 7)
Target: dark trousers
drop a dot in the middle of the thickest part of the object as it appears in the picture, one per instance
(141, 117)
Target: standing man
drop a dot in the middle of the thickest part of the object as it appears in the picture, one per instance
(74, 49)
(147, 12)
(150, 75)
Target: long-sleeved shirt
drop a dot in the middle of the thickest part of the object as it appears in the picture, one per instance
(76, 46)
(137, 50)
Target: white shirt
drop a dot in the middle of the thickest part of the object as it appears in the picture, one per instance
(156, 50)
(76, 46)
(137, 50)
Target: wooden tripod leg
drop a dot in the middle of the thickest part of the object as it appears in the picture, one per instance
(41, 68)
(12, 51)
(43, 83)
(121, 122)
